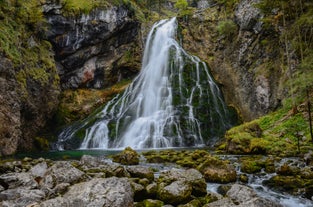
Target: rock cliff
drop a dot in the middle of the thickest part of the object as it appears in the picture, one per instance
(243, 55)
(94, 50)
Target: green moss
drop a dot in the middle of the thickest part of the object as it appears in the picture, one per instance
(251, 165)
(281, 131)
(76, 7)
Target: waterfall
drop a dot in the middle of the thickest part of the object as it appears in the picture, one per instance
(173, 102)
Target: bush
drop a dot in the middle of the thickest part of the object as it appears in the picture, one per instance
(227, 28)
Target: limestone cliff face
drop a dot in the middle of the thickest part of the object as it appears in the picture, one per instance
(244, 57)
(25, 106)
(94, 50)
(10, 110)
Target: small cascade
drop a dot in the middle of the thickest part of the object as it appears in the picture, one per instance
(173, 102)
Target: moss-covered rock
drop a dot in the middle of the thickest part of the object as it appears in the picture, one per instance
(191, 176)
(127, 157)
(251, 165)
(177, 192)
(150, 203)
(287, 170)
(216, 170)
(243, 178)
(290, 184)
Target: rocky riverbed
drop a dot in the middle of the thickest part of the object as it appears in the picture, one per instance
(183, 178)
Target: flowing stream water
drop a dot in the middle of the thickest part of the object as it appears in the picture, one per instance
(173, 102)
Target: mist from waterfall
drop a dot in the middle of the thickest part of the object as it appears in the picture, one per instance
(173, 102)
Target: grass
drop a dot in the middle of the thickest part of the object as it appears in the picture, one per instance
(281, 131)
(21, 41)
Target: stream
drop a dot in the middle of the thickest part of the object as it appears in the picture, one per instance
(255, 180)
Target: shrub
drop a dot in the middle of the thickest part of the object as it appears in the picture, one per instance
(227, 28)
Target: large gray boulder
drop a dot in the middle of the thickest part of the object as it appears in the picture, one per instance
(190, 176)
(104, 192)
(20, 197)
(18, 180)
(242, 196)
(63, 172)
(141, 172)
(177, 192)
(177, 186)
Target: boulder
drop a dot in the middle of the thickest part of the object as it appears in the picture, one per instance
(241, 193)
(105, 192)
(18, 180)
(152, 190)
(39, 170)
(152, 203)
(141, 172)
(90, 161)
(191, 176)
(216, 170)
(61, 172)
(242, 196)
(127, 157)
(98, 167)
(20, 197)
(139, 191)
(177, 192)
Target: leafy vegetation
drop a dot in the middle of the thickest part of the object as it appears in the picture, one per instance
(284, 132)
(293, 21)
(22, 42)
(227, 28)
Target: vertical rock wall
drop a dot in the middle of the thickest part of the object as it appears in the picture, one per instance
(245, 59)
(94, 50)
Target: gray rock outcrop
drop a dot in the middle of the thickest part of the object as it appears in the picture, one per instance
(90, 49)
(246, 63)
(106, 192)
(242, 196)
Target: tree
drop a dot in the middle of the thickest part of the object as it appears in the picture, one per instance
(181, 5)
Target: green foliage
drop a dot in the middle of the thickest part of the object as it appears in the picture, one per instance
(76, 7)
(292, 20)
(280, 135)
(227, 28)
(181, 5)
(21, 41)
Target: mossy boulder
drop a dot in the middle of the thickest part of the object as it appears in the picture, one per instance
(141, 172)
(150, 203)
(286, 169)
(216, 170)
(193, 203)
(307, 173)
(152, 190)
(191, 176)
(289, 184)
(127, 157)
(252, 165)
(178, 192)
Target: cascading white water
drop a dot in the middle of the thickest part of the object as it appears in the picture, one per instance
(173, 102)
